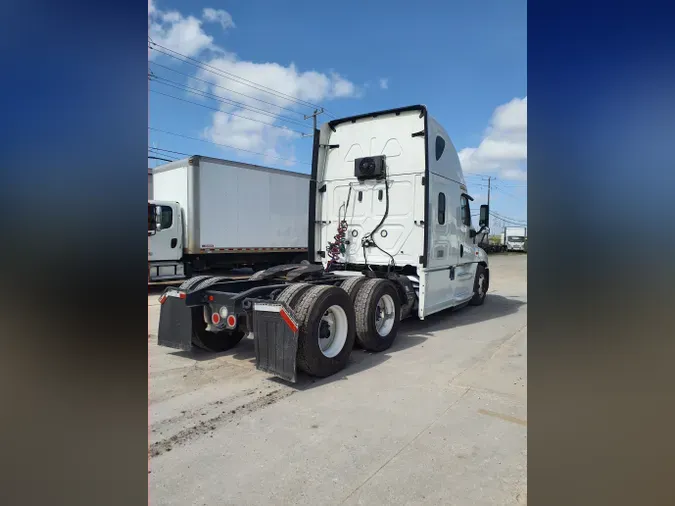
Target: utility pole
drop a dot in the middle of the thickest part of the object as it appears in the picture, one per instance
(488, 203)
(313, 116)
(489, 179)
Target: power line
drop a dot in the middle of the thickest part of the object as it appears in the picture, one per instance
(476, 174)
(227, 146)
(155, 151)
(513, 185)
(221, 99)
(228, 75)
(230, 113)
(225, 88)
(499, 188)
(169, 151)
(506, 219)
(162, 159)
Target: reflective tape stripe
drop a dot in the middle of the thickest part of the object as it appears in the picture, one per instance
(247, 250)
(268, 308)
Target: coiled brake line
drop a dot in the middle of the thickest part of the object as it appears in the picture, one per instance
(338, 246)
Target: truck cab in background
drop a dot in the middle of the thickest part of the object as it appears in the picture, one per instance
(165, 240)
(514, 238)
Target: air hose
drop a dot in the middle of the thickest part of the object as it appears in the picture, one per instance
(338, 246)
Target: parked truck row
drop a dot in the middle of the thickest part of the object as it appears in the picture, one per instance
(511, 239)
(389, 231)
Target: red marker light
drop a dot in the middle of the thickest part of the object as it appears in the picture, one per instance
(215, 318)
(231, 321)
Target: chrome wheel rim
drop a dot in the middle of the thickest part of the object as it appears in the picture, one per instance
(385, 314)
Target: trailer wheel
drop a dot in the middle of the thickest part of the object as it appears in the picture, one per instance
(378, 314)
(351, 285)
(480, 286)
(291, 294)
(326, 330)
(212, 341)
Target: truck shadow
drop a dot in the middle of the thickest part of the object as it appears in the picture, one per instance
(359, 361)
(244, 351)
(495, 306)
(411, 333)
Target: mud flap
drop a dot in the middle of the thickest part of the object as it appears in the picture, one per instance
(275, 334)
(175, 323)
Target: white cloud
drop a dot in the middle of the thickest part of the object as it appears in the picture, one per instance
(384, 83)
(176, 32)
(503, 149)
(218, 16)
(308, 86)
(186, 35)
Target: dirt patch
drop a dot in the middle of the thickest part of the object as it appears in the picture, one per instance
(207, 426)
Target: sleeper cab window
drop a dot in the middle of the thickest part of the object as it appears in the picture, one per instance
(465, 211)
(441, 208)
(440, 147)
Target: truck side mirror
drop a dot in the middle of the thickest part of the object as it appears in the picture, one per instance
(158, 218)
(484, 220)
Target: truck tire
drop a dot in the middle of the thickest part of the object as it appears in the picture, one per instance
(186, 285)
(212, 341)
(480, 286)
(291, 294)
(257, 275)
(351, 285)
(378, 314)
(326, 330)
(209, 281)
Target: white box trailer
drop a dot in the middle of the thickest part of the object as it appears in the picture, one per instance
(208, 212)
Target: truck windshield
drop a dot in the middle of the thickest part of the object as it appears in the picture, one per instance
(516, 238)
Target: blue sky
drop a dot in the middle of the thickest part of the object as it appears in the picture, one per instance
(466, 60)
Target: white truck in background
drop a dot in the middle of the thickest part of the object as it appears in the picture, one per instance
(514, 238)
(211, 213)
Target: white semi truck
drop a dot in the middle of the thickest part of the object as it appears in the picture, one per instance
(390, 236)
(210, 213)
(514, 238)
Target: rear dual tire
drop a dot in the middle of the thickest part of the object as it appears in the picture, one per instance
(378, 314)
(326, 329)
